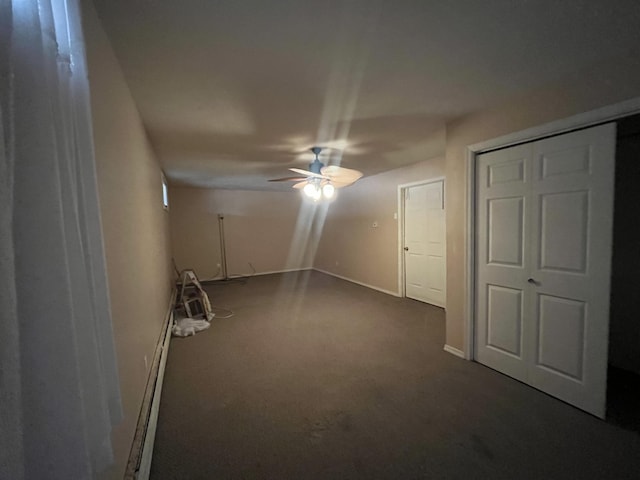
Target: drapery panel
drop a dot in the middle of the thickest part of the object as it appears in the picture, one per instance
(58, 371)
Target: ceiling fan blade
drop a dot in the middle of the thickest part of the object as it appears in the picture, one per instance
(340, 176)
(337, 176)
(288, 179)
(307, 173)
(341, 184)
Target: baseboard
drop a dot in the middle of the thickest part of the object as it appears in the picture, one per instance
(288, 270)
(256, 274)
(139, 464)
(150, 437)
(388, 292)
(454, 351)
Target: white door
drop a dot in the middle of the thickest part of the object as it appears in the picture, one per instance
(543, 255)
(502, 260)
(424, 243)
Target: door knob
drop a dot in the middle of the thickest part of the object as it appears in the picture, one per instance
(406, 249)
(532, 281)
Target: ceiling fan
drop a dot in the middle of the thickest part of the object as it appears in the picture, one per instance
(320, 180)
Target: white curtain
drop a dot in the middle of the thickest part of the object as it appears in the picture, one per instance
(58, 378)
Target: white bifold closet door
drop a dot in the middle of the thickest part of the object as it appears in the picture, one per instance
(544, 218)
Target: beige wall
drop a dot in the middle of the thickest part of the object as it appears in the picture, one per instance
(601, 85)
(135, 228)
(263, 229)
(350, 246)
(277, 231)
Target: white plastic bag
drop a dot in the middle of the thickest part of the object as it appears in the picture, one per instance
(184, 326)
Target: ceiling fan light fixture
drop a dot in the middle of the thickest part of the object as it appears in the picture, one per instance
(328, 191)
(310, 189)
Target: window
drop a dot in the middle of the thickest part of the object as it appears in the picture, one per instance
(165, 192)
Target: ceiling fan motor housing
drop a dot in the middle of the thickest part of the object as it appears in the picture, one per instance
(316, 165)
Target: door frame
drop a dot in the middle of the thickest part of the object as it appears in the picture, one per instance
(401, 189)
(591, 118)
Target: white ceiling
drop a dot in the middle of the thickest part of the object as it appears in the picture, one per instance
(233, 92)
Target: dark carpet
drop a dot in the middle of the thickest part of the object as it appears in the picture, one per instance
(318, 378)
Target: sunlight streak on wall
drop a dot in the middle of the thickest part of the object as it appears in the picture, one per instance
(304, 244)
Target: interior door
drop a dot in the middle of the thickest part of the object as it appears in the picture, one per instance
(425, 243)
(543, 258)
(503, 264)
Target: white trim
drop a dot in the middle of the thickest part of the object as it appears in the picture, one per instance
(139, 462)
(150, 437)
(470, 264)
(556, 127)
(400, 224)
(257, 274)
(422, 182)
(454, 351)
(279, 271)
(401, 188)
(582, 120)
(388, 292)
